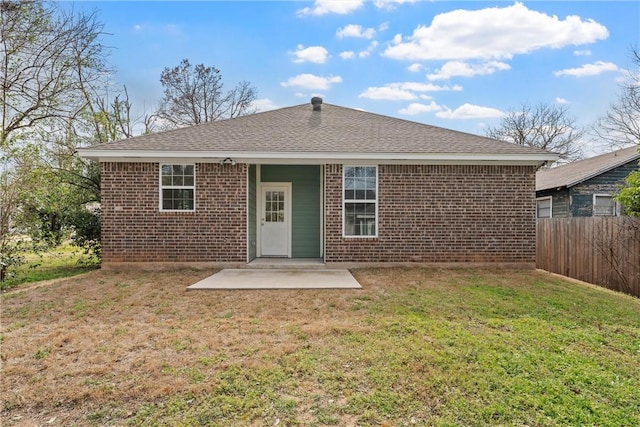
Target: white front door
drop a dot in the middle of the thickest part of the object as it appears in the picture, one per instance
(275, 219)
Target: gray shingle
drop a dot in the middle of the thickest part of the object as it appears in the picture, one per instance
(334, 129)
(577, 172)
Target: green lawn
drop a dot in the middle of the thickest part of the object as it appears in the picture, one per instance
(63, 261)
(414, 347)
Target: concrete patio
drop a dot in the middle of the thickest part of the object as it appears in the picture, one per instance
(278, 279)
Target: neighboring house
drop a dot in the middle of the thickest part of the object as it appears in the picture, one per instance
(585, 187)
(318, 181)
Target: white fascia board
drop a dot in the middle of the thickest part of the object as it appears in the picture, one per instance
(315, 158)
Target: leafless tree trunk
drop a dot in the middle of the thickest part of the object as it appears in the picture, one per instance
(620, 127)
(240, 99)
(548, 127)
(41, 48)
(194, 95)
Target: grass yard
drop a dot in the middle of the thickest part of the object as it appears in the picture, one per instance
(414, 347)
(64, 261)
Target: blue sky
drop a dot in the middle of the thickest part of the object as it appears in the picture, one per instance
(454, 64)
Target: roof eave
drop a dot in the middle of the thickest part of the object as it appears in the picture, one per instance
(593, 174)
(601, 171)
(314, 157)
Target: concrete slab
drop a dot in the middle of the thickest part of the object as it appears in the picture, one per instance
(278, 279)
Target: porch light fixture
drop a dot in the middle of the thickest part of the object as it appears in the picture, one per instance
(228, 161)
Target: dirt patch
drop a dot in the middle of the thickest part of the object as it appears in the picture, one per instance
(79, 344)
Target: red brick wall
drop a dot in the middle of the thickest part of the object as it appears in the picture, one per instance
(428, 213)
(440, 213)
(134, 229)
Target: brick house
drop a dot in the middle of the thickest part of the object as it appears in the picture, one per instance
(317, 181)
(585, 187)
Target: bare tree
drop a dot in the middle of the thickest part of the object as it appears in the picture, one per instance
(42, 48)
(620, 127)
(241, 100)
(548, 127)
(194, 95)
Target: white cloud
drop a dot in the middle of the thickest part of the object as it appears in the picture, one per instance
(493, 33)
(348, 54)
(406, 91)
(464, 69)
(311, 81)
(383, 27)
(561, 101)
(357, 31)
(308, 95)
(389, 93)
(323, 7)
(390, 4)
(426, 87)
(470, 111)
(416, 108)
(414, 68)
(137, 27)
(372, 46)
(315, 54)
(585, 52)
(265, 104)
(594, 69)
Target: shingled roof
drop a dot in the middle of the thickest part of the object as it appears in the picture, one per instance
(574, 173)
(301, 132)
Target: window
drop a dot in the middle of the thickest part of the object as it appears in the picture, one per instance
(274, 206)
(543, 207)
(604, 205)
(360, 203)
(177, 187)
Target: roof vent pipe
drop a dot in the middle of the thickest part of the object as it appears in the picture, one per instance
(316, 101)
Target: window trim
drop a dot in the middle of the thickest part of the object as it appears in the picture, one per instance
(176, 187)
(550, 198)
(616, 206)
(345, 201)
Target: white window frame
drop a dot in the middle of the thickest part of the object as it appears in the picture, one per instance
(539, 199)
(345, 201)
(616, 206)
(177, 187)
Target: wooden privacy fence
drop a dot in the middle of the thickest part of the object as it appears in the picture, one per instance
(600, 250)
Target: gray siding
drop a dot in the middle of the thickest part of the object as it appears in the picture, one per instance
(560, 204)
(559, 201)
(607, 183)
(577, 200)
